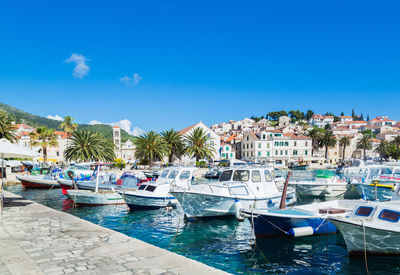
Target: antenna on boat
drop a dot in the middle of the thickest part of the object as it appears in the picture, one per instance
(284, 191)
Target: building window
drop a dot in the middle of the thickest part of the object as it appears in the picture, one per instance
(295, 143)
(259, 154)
(286, 143)
(231, 155)
(247, 138)
(306, 143)
(267, 154)
(267, 145)
(281, 143)
(259, 146)
(247, 146)
(295, 152)
(306, 152)
(276, 152)
(286, 152)
(58, 154)
(281, 153)
(276, 143)
(227, 148)
(244, 146)
(251, 145)
(263, 136)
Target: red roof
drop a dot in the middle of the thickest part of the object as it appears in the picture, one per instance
(295, 136)
(115, 126)
(187, 129)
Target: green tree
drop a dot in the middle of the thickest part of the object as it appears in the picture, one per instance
(396, 142)
(119, 163)
(68, 126)
(296, 115)
(327, 140)
(44, 138)
(344, 142)
(383, 149)
(150, 147)
(174, 144)
(367, 117)
(341, 114)
(309, 115)
(315, 135)
(88, 146)
(7, 130)
(276, 115)
(198, 144)
(364, 144)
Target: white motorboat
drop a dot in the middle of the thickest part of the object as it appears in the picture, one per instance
(96, 197)
(90, 198)
(372, 227)
(237, 188)
(325, 185)
(156, 194)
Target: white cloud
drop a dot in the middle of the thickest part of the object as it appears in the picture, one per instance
(81, 69)
(56, 117)
(124, 124)
(134, 80)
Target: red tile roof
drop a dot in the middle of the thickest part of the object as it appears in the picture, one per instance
(295, 136)
(187, 129)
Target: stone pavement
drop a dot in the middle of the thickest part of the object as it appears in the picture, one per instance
(35, 239)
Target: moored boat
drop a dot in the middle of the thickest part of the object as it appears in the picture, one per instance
(38, 181)
(91, 198)
(237, 188)
(156, 194)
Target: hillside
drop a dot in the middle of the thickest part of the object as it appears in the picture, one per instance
(20, 116)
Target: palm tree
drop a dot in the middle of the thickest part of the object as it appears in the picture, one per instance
(88, 146)
(383, 149)
(150, 147)
(68, 126)
(7, 130)
(174, 144)
(364, 144)
(396, 142)
(43, 137)
(315, 135)
(327, 140)
(198, 145)
(344, 142)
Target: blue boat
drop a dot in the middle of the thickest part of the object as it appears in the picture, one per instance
(303, 220)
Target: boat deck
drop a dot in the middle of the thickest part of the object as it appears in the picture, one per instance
(35, 239)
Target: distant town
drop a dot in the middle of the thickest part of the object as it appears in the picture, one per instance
(279, 137)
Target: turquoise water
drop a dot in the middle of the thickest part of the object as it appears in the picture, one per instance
(222, 243)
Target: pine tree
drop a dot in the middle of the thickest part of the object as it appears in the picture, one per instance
(367, 117)
(362, 117)
(352, 113)
(341, 114)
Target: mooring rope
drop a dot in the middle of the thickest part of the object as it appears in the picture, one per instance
(365, 248)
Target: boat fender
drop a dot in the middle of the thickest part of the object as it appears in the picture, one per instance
(301, 231)
(238, 210)
(270, 203)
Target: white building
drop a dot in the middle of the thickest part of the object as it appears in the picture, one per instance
(214, 141)
(276, 146)
(321, 121)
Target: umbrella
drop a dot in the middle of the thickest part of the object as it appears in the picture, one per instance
(10, 150)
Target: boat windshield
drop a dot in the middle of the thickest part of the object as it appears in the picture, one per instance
(173, 174)
(164, 174)
(267, 175)
(241, 175)
(226, 175)
(355, 163)
(185, 175)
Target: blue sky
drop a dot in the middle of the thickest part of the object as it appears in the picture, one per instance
(199, 60)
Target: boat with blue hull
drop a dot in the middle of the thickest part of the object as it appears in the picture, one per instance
(303, 220)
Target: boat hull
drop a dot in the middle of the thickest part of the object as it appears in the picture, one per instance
(267, 226)
(89, 198)
(377, 241)
(368, 192)
(136, 202)
(199, 205)
(39, 182)
(321, 191)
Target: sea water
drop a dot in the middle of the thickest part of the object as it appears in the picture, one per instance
(225, 243)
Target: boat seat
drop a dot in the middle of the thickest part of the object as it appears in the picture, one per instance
(331, 211)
